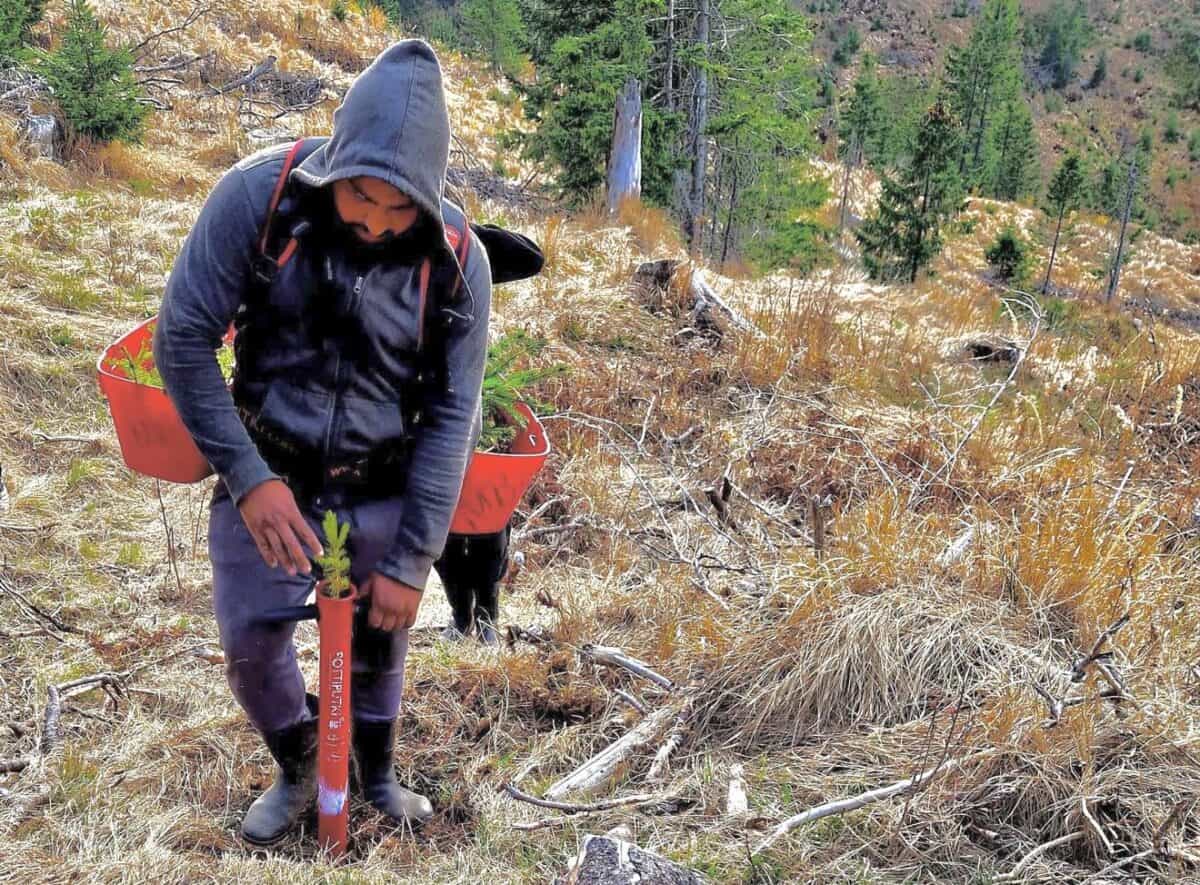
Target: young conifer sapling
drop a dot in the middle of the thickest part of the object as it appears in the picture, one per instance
(335, 562)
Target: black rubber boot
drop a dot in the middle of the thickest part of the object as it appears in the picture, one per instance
(453, 568)
(373, 743)
(462, 600)
(276, 811)
(487, 613)
(490, 564)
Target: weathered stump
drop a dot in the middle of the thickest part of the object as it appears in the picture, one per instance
(625, 156)
(708, 314)
(45, 135)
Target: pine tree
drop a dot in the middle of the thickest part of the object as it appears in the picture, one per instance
(983, 76)
(495, 26)
(1062, 197)
(17, 17)
(579, 75)
(1065, 32)
(93, 84)
(1183, 64)
(905, 233)
(863, 124)
(1014, 151)
(760, 87)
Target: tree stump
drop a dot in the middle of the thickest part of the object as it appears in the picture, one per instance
(625, 156)
(45, 135)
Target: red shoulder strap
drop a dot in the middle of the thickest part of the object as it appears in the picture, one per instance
(460, 242)
(276, 196)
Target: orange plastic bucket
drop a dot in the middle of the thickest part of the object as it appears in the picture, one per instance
(496, 482)
(152, 437)
(154, 442)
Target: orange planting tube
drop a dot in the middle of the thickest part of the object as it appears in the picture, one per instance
(335, 618)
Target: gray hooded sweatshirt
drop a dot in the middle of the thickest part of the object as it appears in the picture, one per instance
(327, 354)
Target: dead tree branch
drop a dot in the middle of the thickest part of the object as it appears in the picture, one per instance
(841, 806)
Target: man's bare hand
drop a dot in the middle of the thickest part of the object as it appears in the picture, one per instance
(393, 605)
(278, 528)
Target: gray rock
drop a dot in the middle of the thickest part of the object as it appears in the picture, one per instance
(604, 860)
(45, 135)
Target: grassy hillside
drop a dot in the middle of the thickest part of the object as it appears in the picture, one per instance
(915, 543)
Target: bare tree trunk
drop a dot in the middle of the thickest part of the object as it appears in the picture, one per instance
(670, 89)
(625, 157)
(696, 137)
(1054, 249)
(1131, 185)
(853, 162)
(732, 208)
(719, 165)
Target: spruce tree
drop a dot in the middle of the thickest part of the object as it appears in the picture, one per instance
(1061, 198)
(905, 233)
(495, 26)
(1065, 34)
(860, 130)
(92, 83)
(17, 17)
(1014, 151)
(1183, 64)
(864, 122)
(760, 88)
(983, 76)
(572, 100)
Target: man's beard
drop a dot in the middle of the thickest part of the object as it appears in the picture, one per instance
(412, 243)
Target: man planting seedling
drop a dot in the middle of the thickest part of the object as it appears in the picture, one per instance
(360, 298)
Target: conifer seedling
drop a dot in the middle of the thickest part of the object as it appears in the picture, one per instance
(506, 382)
(335, 562)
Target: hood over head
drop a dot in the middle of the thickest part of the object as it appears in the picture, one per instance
(392, 125)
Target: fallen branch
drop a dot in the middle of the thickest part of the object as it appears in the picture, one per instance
(1015, 874)
(615, 657)
(597, 770)
(575, 808)
(1080, 667)
(1095, 825)
(46, 438)
(9, 765)
(9, 590)
(137, 49)
(631, 700)
(658, 768)
(1141, 855)
(553, 529)
(841, 806)
(26, 529)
